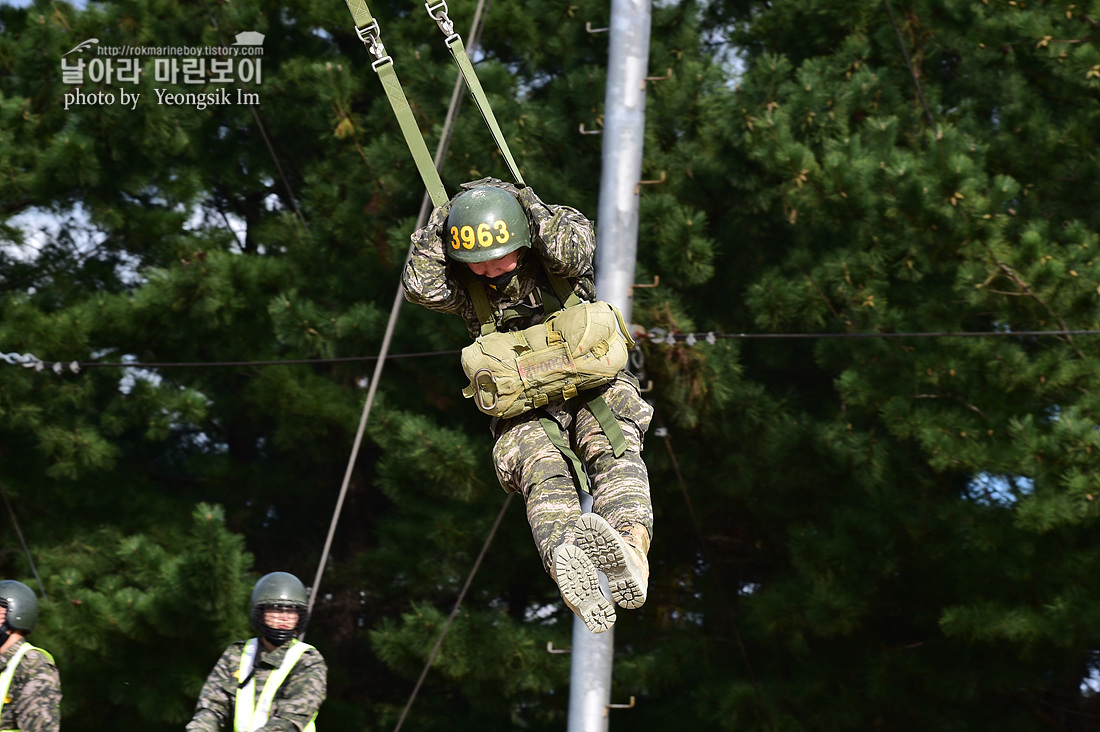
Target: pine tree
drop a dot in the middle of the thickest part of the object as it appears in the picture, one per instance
(852, 533)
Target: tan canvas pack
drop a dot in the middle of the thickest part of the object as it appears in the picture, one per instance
(578, 348)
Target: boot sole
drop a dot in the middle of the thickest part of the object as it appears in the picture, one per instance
(580, 588)
(607, 550)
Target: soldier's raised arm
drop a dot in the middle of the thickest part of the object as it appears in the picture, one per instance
(563, 236)
(426, 279)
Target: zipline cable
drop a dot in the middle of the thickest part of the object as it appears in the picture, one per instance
(662, 432)
(360, 13)
(26, 550)
(657, 336)
(454, 611)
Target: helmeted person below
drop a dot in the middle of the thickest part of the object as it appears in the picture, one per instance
(271, 682)
(30, 686)
(500, 242)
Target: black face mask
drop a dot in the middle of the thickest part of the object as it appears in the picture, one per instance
(500, 281)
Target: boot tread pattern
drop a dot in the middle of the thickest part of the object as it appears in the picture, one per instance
(580, 588)
(604, 547)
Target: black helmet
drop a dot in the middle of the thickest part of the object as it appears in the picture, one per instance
(284, 591)
(485, 223)
(22, 605)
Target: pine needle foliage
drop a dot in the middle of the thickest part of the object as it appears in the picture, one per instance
(851, 534)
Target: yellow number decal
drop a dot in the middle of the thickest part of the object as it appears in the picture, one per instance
(467, 234)
(465, 237)
(484, 236)
(504, 235)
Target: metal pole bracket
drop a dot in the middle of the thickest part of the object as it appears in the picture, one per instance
(609, 707)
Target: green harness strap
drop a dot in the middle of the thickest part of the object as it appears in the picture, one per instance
(608, 424)
(553, 431)
(466, 67)
(565, 297)
(366, 27)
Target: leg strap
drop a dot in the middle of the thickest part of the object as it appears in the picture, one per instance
(608, 424)
(553, 431)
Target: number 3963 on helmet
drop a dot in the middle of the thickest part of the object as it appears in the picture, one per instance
(485, 224)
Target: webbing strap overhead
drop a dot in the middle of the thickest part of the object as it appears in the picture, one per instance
(366, 27)
(467, 69)
(438, 12)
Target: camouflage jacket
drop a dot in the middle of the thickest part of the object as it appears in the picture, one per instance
(33, 703)
(296, 701)
(560, 236)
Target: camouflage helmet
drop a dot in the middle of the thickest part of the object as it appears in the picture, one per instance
(22, 605)
(485, 223)
(280, 590)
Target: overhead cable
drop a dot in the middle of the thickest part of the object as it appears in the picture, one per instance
(658, 336)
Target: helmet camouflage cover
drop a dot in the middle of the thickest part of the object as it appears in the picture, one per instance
(484, 224)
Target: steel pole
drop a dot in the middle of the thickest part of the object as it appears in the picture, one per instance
(623, 138)
(616, 251)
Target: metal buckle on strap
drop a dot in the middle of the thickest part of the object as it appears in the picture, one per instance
(369, 33)
(445, 24)
(371, 36)
(480, 401)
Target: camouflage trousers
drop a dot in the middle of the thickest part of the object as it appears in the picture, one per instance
(527, 462)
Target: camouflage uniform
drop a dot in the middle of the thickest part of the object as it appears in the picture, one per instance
(525, 460)
(296, 702)
(34, 694)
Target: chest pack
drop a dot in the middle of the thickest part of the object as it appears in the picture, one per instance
(579, 346)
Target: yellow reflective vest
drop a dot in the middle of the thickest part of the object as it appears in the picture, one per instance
(9, 673)
(250, 715)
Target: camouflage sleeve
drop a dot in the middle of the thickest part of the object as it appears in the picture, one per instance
(300, 696)
(426, 279)
(563, 236)
(214, 709)
(36, 694)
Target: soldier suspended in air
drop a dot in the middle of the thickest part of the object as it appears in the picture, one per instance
(504, 261)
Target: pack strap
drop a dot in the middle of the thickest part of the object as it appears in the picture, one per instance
(562, 291)
(562, 297)
(553, 431)
(480, 300)
(366, 27)
(438, 12)
(608, 424)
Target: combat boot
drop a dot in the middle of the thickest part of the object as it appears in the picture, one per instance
(622, 559)
(580, 588)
